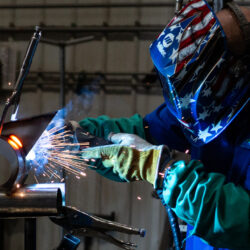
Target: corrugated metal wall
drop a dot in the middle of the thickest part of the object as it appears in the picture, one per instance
(93, 194)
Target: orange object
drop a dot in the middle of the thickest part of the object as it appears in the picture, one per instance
(16, 140)
(13, 144)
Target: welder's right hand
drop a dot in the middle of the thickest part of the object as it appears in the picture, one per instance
(130, 157)
(103, 125)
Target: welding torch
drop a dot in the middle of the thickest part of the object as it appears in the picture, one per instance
(178, 5)
(15, 96)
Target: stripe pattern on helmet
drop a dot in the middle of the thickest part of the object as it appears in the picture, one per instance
(199, 76)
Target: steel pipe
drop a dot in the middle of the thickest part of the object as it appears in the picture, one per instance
(89, 29)
(124, 33)
(86, 5)
(13, 168)
(97, 5)
(32, 201)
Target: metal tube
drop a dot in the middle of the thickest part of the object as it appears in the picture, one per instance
(32, 201)
(89, 29)
(97, 5)
(69, 42)
(62, 76)
(87, 5)
(1, 234)
(146, 32)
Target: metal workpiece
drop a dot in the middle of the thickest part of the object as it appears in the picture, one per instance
(28, 129)
(17, 138)
(13, 168)
(32, 201)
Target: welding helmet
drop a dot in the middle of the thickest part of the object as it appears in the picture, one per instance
(205, 86)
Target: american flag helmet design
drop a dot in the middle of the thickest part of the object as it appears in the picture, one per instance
(204, 85)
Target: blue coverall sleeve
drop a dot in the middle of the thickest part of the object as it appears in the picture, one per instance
(163, 128)
(218, 211)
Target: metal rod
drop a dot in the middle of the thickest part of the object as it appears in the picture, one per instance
(68, 42)
(124, 33)
(30, 234)
(62, 45)
(62, 94)
(62, 75)
(97, 5)
(34, 200)
(68, 73)
(1, 234)
(87, 5)
(107, 79)
(109, 29)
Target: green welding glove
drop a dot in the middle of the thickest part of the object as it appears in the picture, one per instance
(102, 126)
(130, 157)
(219, 211)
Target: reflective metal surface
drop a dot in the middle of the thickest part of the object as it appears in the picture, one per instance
(13, 170)
(32, 201)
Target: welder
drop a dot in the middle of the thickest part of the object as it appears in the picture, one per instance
(203, 62)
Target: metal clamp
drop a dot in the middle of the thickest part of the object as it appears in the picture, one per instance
(82, 224)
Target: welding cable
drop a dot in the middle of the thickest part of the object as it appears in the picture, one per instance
(173, 220)
(175, 156)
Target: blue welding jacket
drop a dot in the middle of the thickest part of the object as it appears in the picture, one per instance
(228, 154)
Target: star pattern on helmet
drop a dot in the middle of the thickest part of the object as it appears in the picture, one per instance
(179, 36)
(174, 55)
(203, 134)
(216, 127)
(206, 92)
(186, 100)
(212, 106)
(174, 27)
(217, 108)
(197, 71)
(181, 74)
(203, 115)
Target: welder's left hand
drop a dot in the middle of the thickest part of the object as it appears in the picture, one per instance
(130, 157)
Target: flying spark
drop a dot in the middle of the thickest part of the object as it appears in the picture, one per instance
(57, 151)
